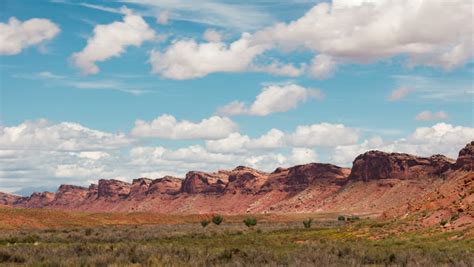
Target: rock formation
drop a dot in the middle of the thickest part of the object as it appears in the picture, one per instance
(245, 180)
(374, 165)
(113, 189)
(465, 159)
(378, 182)
(140, 187)
(8, 199)
(68, 194)
(167, 185)
(204, 183)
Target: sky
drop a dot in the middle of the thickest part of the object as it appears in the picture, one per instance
(122, 89)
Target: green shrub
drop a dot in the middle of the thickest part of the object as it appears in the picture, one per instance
(217, 219)
(204, 223)
(341, 218)
(250, 221)
(443, 222)
(353, 218)
(31, 238)
(88, 232)
(307, 223)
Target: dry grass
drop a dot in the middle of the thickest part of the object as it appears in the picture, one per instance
(147, 239)
(19, 218)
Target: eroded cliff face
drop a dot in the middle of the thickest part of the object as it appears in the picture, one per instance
(113, 189)
(378, 182)
(465, 159)
(69, 194)
(8, 199)
(204, 183)
(374, 165)
(139, 188)
(37, 200)
(167, 185)
(245, 180)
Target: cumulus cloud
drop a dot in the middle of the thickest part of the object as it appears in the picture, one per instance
(363, 31)
(427, 115)
(212, 36)
(304, 136)
(400, 93)
(238, 143)
(64, 136)
(186, 59)
(111, 40)
(441, 138)
(234, 143)
(273, 98)
(323, 134)
(302, 156)
(167, 127)
(16, 35)
(322, 66)
(70, 153)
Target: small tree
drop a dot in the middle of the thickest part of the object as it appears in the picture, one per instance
(217, 219)
(307, 223)
(204, 223)
(250, 221)
(341, 218)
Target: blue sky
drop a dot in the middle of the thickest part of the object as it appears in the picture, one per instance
(77, 76)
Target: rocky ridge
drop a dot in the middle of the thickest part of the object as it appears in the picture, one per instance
(378, 182)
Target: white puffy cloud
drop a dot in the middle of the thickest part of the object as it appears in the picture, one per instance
(362, 31)
(273, 98)
(302, 156)
(271, 140)
(186, 59)
(237, 143)
(167, 127)
(111, 40)
(427, 115)
(304, 136)
(16, 35)
(322, 66)
(441, 138)
(44, 154)
(400, 93)
(323, 134)
(212, 36)
(345, 154)
(234, 143)
(64, 136)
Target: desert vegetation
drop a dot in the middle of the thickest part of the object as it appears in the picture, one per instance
(229, 244)
(135, 239)
(250, 221)
(217, 219)
(307, 223)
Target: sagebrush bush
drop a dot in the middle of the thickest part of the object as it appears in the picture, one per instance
(307, 223)
(88, 232)
(217, 219)
(250, 221)
(204, 223)
(353, 218)
(273, 244)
